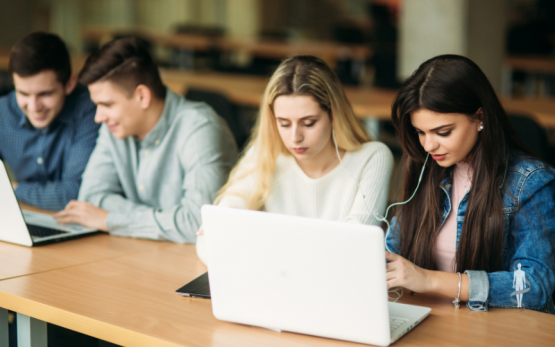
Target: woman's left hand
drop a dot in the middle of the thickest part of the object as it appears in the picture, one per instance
(403, 273)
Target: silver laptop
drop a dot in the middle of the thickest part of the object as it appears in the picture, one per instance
(29, 228)
(302, 275)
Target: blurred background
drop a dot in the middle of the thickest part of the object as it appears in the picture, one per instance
(223, 51)
(383, 40)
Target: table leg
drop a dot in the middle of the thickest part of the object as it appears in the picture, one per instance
(4, 338)
(31, 332)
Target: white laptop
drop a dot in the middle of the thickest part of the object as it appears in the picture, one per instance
(29, 228)
(302, 275)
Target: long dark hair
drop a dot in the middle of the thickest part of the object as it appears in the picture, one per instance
(454, 84)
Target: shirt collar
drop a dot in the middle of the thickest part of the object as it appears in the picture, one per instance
(154, 137)
(447, 180)
(23, 121)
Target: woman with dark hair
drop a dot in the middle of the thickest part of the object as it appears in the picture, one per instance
(484, 205)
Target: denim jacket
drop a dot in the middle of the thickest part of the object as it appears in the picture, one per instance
(529, 212)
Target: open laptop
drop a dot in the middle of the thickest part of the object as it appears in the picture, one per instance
(29, 228)
(302, 275)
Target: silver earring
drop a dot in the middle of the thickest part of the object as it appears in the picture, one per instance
(481, 127)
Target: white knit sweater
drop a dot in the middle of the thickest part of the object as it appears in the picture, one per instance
(354, 191)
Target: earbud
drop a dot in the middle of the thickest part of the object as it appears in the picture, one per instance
(399, 290)
(481, 127)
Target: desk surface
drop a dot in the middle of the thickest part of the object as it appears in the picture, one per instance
(131, 300)
(21, 261)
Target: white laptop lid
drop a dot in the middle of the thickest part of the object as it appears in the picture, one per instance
(13, 221)
(12, 224)
(297, 274)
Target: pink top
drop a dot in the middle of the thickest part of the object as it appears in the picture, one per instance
(446, 240)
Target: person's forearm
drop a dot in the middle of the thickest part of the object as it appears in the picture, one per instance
(113, 202)
(447, 284)
(174, 224)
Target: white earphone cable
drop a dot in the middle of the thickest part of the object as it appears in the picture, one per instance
(398, 291)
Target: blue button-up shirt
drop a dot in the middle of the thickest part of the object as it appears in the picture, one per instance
(48, 163)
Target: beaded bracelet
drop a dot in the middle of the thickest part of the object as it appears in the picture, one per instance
(458, 298)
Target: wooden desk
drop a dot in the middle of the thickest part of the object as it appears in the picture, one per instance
(131, 301)
(538, 70)
(241, 89)
(20, 261)
(193, 42)
(367, 102)
(329, 51)
(531, 64)
(541, 109)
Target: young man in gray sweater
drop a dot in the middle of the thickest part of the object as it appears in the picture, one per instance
(158, 157)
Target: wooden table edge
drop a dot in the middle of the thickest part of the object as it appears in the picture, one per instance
(92, 327)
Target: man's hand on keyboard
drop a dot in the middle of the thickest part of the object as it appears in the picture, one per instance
(83, 213)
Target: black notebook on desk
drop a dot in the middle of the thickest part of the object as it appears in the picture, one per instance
(199, 287)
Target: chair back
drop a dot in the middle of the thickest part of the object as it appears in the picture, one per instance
(532, 134)
(224, 108)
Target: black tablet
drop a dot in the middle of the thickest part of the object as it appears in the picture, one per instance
(198, 287)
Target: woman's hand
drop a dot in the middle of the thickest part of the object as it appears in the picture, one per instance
(403, 273)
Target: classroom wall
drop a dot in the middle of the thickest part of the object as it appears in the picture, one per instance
(428, 28)
(164, 15)
(15, 20)
(473, 28)
(242, 18)
(487, 24)
(68, 17)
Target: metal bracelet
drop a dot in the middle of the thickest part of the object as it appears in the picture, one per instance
(457, 300)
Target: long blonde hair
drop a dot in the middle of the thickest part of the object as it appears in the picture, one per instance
(300, 75)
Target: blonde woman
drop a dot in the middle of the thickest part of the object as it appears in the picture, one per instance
(309, 155)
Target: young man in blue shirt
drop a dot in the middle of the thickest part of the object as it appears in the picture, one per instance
(47, 128)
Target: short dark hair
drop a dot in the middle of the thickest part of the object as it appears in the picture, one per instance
(38, 52)
(125, 62)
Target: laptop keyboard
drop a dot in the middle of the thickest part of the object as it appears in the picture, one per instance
(394, 323)
(37, 231)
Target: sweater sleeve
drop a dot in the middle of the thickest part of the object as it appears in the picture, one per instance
(235, 196)
(373, 187)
